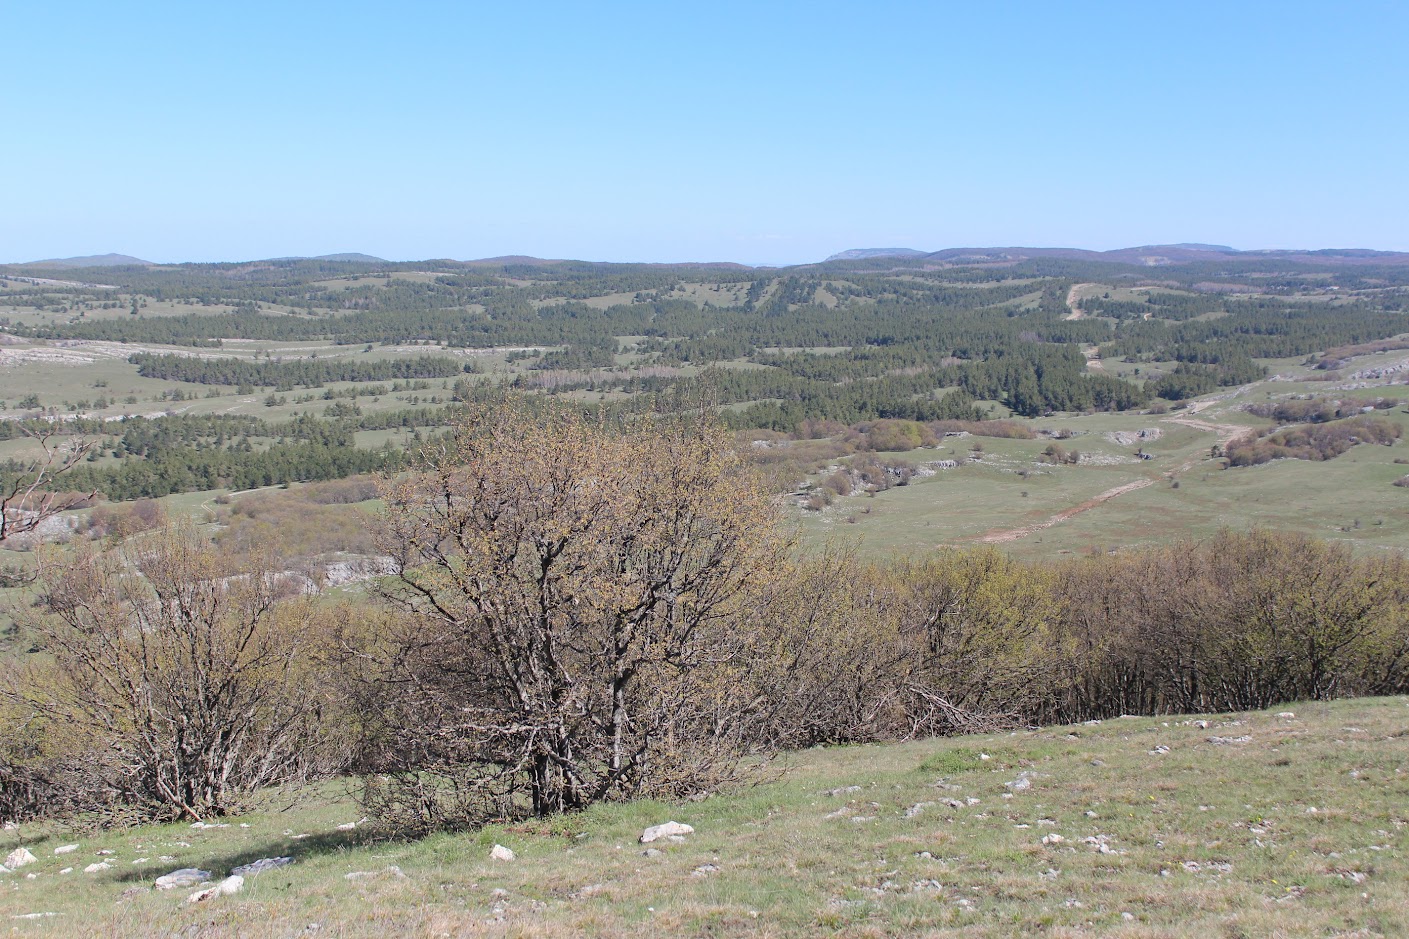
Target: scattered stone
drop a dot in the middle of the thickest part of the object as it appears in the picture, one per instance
(44, 915)
(1224, 741)
(65, 849)
(1289, 715)
(861, 819)
(1202, 725)
(1019, 784)
(839, 813)
(705, 869)
(185, 877)
(138, 890)
(665, 830)
(917, 809)
(1052, 839)
(591, 890)
(66, 870)
(1128, 917)
(1159, 750)
(842, 791)
(255, 868)
(227, 887)
(501, 853)
(19, 858)
(652, 852)
(95, 868)
(347, 826)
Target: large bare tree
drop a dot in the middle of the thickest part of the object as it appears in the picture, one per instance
(577, 588)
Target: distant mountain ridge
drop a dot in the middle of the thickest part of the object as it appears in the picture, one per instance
(92, 260)
(862, 254)
(1144, 255)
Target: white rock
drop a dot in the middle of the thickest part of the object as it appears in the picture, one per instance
(66, 870)
(185, 877)
(1052, 839)
(19, 858)
(656, 832)
(347, 826)
(230, 885)
(66, 849)
(95, 868)
(1289, 715)
(501, 853)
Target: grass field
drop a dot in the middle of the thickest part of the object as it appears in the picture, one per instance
(1285, 823)
(1349, 498)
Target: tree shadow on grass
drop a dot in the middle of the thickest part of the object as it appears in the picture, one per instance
(300, 849)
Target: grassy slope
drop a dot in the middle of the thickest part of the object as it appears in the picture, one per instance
(1300, 830)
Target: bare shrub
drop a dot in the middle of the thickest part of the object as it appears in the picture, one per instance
(185, 682)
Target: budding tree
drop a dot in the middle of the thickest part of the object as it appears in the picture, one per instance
(577, 586)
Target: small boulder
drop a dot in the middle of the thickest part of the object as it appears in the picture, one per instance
(19, 858)
(95, 868)
(255, 868)
(501, 853)
(66, 849)
(666, 830)
(230, 885)
(185, 877)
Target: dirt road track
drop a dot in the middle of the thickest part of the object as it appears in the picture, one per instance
(1226, 433)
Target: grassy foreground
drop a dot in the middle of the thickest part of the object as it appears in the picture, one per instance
(1247, 825)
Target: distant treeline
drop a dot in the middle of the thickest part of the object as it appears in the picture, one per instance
(285, 374)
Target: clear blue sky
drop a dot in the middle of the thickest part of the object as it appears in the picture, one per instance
(756, 132)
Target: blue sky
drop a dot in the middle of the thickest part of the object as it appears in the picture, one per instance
(762, 133)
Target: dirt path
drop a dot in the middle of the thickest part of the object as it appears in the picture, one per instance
(1225, 433)
(1013, 534)
(1072, 298)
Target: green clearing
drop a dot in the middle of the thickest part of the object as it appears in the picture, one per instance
(1292, 826)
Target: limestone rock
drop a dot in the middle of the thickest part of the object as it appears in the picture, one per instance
(666, 830)
(230, 885)
(19, 858)
(260, 866)
(501, 853)
(185, 877)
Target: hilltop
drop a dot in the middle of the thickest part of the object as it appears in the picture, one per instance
(92, 260)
